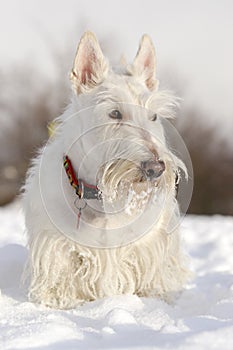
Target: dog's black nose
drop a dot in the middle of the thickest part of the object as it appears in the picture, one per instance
(153, 169)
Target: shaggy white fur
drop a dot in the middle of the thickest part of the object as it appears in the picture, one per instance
(108, 254)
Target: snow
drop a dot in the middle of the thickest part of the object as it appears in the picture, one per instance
(201, 318)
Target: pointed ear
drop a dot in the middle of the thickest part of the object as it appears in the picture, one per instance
(90, 66)
(144, 64)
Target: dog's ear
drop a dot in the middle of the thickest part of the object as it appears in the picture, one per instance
(90, 66)
(144, 64)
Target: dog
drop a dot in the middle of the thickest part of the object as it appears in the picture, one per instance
(100, 198)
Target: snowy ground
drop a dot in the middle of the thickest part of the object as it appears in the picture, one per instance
(202, 317)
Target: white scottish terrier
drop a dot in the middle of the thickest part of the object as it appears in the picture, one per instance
(100, 199)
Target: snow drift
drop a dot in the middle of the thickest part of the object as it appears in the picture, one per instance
(201, 318)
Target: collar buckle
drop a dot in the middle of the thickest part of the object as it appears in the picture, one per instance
(89, 191)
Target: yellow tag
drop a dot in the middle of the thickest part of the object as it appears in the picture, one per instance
(52, 128)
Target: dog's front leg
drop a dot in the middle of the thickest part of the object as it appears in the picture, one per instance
(61, 272)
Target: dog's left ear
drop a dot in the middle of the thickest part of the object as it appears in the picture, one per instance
(90, 66)
(144, 64)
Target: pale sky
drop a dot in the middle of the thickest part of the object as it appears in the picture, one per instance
(193, 38)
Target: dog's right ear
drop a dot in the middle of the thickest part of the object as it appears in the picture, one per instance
(90, 66)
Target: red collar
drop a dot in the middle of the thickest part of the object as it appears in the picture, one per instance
(82, 189)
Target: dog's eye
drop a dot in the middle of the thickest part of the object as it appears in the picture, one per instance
(115, 114)
(154, 117)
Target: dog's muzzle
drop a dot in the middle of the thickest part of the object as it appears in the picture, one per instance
(152, 169)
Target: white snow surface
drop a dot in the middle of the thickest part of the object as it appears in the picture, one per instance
(201, 318)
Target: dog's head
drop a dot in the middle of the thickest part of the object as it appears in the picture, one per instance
(121, 123)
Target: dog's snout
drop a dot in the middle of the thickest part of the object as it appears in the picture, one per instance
(153, 168)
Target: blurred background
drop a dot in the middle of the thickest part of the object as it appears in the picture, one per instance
(194, 45)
